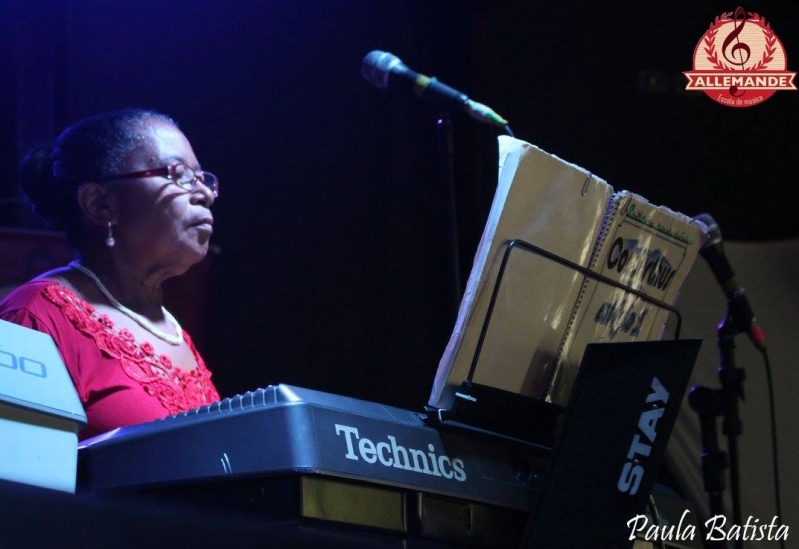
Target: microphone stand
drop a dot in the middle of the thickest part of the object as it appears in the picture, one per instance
(732, 379)
(446, 149)
(707, 403)
(711, 403)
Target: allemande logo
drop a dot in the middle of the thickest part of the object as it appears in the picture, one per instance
(739, 61)
(390, 454)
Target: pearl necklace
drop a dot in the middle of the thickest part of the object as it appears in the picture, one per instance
(139, 319)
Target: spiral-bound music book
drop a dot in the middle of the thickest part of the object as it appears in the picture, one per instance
(545, 312)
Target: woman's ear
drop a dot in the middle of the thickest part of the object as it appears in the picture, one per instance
(97, 203)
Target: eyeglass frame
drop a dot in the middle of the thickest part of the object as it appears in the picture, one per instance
(168, 172)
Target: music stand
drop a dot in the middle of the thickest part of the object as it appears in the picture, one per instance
(506, 412)
(609, 441)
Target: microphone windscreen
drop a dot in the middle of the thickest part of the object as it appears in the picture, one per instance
(377, 66)
(713, 230)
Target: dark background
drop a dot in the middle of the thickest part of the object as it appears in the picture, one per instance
(332, 225)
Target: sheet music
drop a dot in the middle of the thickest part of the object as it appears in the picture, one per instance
(547, 202)
(546, 312)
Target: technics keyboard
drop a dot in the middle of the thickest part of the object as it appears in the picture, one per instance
(393, 470)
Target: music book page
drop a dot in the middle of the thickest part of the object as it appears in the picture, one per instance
(550, 203)
(647, 248)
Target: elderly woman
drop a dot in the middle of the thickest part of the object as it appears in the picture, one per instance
(128, 191)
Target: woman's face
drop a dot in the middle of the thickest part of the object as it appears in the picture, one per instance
(161, 227)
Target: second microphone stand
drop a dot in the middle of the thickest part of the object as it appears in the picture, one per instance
(723, 402)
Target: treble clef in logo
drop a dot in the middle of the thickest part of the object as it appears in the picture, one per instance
(739, 48)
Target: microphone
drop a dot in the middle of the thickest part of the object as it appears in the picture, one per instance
(383, 69)
(739, 309)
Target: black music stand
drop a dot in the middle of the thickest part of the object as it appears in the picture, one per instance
(598, 473)
(505, 412)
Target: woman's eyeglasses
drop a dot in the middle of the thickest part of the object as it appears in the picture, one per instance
(180, 174)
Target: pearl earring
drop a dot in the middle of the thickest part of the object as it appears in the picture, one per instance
(109, 240)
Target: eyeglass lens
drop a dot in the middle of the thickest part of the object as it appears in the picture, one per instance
(186, 178)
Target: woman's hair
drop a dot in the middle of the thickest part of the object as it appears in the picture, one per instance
(95, 147)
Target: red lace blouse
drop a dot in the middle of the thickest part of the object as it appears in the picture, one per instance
(119, 381)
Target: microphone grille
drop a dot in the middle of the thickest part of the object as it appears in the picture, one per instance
(376, 67)
(713, 230)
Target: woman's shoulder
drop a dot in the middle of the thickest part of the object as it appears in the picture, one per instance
(27, 292)
(32, 294)
(47, 305)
